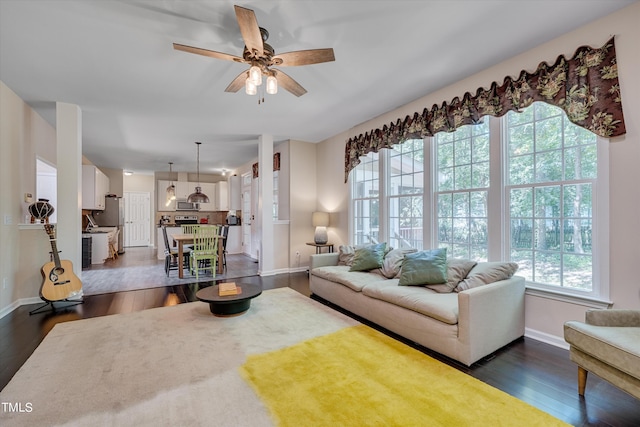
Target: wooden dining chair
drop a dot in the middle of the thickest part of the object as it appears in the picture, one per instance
(224, 232)
(189, 228)
(205, 250)
(171, 255)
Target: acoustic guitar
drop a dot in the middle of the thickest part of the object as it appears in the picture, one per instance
(59, 280)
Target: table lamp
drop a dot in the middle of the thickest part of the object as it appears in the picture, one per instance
(320, 221)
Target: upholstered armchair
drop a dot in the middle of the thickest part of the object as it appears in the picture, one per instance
(607, 344)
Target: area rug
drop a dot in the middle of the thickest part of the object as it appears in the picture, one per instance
(180, 365)
(361, 377)
(97, 281)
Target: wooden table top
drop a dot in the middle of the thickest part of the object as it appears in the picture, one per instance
(210, 293)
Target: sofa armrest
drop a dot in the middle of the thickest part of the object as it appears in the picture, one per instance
(613, 317)
(323, 260)
(491, 316)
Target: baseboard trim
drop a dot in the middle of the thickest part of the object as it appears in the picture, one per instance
(17, 303)
(273, 272)
(553, 340)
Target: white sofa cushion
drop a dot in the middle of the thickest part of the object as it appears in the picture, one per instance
(457, 270)
(442, 307)
(487, 272)
(354, 280)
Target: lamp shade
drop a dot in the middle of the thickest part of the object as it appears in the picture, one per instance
(320, 219)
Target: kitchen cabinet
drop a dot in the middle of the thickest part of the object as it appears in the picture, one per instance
(184, 188)
(209, 189)
(162, 197)
(218, 201)
(95, 184)
(100, 244)
(222, 199)
(235, 192)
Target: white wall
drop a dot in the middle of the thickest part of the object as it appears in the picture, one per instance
(544, 317)
(23, 136)
(303, 200)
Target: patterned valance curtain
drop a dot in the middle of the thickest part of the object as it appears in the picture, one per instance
(276, 165)
(586, 87)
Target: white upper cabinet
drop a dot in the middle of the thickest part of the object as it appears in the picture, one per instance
(235, 191)
(184, 188)
(95, 184)
(209, 189)
(223, 196)
(162, 197)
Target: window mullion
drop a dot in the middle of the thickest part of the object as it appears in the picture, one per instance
(496, 206)
(383, 196)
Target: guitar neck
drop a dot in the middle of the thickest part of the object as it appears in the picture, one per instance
(54, 247)
(54, 252)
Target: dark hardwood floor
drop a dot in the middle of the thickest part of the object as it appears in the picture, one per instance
(537, 373)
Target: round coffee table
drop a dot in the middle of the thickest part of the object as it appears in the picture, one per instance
(230, 305)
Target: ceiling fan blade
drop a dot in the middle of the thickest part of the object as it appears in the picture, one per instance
(237, 83)
(206, 52)
(250, 30)
(286, 82)
(304, 57)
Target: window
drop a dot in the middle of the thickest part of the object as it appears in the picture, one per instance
(522, 187)
(406, 194)
(365, 200)
(551, 177)
(461, 191)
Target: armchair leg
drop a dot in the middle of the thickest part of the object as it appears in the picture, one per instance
(582, 380)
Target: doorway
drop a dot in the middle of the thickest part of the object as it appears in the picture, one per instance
(137, 218)
(247, 218)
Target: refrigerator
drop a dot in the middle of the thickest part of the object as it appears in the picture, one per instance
(112, 216)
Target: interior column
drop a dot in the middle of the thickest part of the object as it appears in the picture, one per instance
(265, 204)
(69, 166)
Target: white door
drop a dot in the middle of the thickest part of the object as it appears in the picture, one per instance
(246, 214)
(137, 218)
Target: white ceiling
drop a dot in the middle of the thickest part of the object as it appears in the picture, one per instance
(144, 104)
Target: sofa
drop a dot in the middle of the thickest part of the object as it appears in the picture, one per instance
(478, 308)
(607, 344)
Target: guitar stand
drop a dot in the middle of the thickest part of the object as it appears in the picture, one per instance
(40, 309)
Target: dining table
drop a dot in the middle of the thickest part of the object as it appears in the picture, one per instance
(185, 239)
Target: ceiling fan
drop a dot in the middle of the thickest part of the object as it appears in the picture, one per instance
(262, 57)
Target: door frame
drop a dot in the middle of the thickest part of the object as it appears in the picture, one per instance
(127, 217)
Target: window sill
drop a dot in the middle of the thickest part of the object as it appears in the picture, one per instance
(569, 298)
(29, 226)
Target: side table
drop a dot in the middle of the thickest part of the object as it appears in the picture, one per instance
(319, 247)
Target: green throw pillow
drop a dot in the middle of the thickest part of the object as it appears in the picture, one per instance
(369, 257)
(424, 268)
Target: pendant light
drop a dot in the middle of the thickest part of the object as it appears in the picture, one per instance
(198, 196)
(171, 189)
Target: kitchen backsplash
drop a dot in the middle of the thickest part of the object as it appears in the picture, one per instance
(218, 217)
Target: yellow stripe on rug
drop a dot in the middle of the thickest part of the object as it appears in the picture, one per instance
(361, 377)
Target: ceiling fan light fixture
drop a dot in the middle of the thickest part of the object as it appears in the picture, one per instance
(255, 75)
(249, 87)
(272, 85)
